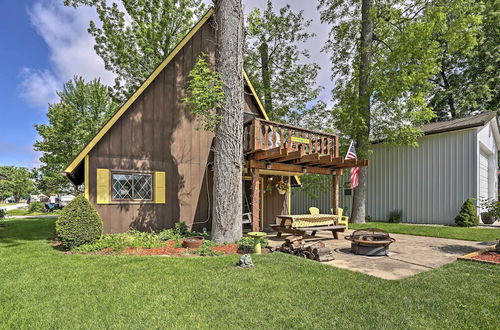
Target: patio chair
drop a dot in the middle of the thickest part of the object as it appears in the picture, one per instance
(343, 220)
(313, 210)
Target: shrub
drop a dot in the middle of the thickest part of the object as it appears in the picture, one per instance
(2, 214)
(468, 215)
(36, 207)
(395, 216)
(119, 242)
(246, 243)
(180, 231)
(206, 249)
(78, 224)
(169, 235)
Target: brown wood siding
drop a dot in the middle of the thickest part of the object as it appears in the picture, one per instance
(157, 133)
(250, 104)
(274, 203)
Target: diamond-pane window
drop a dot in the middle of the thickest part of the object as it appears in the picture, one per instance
(132, 186)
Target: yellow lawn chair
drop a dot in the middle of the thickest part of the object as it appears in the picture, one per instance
(343, 220)
(313, 210)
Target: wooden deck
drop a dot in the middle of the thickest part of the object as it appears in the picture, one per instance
(282, 148)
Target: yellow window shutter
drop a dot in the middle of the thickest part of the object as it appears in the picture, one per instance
(103, 190)
(86, 177)
(160, 188)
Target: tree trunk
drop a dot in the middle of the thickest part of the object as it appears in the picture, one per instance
(266, 78)
(449, 98)
(362, 140)
(228, 150)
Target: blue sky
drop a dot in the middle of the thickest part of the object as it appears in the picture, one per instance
(44, 44)
(22, 48)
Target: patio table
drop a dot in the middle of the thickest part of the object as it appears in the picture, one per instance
(299, 224)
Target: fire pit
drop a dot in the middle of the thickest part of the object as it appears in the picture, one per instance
(370, 242)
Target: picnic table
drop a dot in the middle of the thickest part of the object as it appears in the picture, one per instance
(300, 224)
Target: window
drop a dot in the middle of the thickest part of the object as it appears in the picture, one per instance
(132, 186)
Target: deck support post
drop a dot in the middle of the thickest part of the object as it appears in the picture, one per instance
(255, 199)
(335, 193)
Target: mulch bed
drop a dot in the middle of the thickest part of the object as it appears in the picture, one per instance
(168, 249)
(490, 256)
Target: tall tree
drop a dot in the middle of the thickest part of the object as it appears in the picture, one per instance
(18, 182)
(384, 53)
(134, 36)
(228, 149)
(277, 64)
(469, 79)
(82, 110)
(364, 106)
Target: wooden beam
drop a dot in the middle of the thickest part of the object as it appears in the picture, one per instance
(353, 163)
(273, 153)
(307, 159)
(321, 158)
(333, 162)
(291, 156)
(335, 194)
(255, 198)
(289, 167)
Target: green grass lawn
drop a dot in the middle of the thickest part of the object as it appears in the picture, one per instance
(22, 212)
(44, 288)
(480, 234)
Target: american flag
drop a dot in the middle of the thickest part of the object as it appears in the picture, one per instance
(351, 154)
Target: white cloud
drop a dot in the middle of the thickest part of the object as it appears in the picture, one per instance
(38, 87)
(71, 52)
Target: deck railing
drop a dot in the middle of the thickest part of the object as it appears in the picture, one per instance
(261, 135)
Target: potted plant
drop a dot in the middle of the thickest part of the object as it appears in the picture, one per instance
(492, 208)
(282, 187)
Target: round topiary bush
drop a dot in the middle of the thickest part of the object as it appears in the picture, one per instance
(79, 223)
(36, 207)
(468, 215)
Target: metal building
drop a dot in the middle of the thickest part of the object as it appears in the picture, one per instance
(456, 159)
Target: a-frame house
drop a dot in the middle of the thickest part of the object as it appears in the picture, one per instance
(150, 167)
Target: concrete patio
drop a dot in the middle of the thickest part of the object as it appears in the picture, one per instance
(408, 256)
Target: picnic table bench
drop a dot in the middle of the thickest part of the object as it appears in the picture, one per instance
(300, 224)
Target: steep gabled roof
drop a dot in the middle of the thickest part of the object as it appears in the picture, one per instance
(85, 151)
(459, 123)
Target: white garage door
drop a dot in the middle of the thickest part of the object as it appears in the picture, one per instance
(484, 191)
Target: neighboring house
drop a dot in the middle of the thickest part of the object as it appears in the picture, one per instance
(456, 159)
(149, 167)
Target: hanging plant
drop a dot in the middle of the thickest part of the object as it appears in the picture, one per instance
(282, 187)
